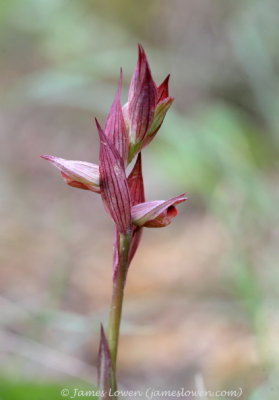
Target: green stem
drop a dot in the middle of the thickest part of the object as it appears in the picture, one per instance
(116, 303)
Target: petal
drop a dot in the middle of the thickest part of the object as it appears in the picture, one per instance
(144, 213)
(141, 99)
(105, 370)
(163, 90)
(160, 113)
(135, 183)
(163, 219)
(76, 184)
(159, 116)
(113, 184)
(115, 128)
(80, 174)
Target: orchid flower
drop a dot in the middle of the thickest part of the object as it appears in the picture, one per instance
(126, 132)
(79, 174)
(156, 214)
(146, 107)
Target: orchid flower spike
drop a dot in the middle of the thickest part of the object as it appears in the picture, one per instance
(127, 131)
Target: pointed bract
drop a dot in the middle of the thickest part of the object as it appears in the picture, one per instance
(135, 183)
(163, 90)
(142, 99)
(105, 369)
(136, 188)
(113, 184)
(115, 127)
(79, 174)
(154, 214)
(135, 241)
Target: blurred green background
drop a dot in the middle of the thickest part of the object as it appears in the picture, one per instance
(201, 308)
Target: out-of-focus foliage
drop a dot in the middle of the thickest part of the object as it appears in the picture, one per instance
(34, 391)
(213, 275)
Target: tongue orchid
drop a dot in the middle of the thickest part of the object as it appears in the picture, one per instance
(126, 132)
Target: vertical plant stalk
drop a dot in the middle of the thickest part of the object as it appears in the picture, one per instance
(117, 301)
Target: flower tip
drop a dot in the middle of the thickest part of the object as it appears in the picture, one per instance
(166, 80)
(163, 90)
(45, 157)
(49, 158)
(102, 331)
(141, 54)
(100, 130)
(181, 198)
(120, 80)
(97, 123)
(140, 48)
